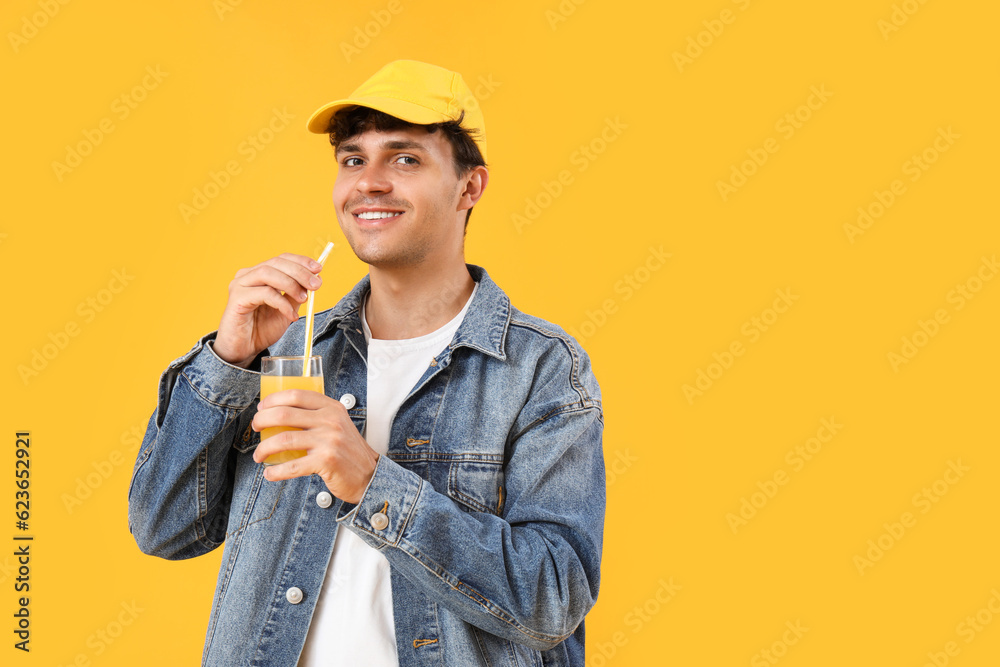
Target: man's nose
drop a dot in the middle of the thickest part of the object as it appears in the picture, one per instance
(374, 178)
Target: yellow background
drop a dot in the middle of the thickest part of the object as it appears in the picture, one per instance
(549, 83)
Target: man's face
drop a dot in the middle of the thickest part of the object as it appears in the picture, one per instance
(397, 197)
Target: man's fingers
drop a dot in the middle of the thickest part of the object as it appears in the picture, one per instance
(298, 268)
(284, 415)
(280, 442)
(289, 273)
(286, 470)
(282, 303)
(246, 328)
(273, 277)
(253, 297)
(305, 261)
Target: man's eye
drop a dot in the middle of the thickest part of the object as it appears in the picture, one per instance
(350, 162)
(407, 160)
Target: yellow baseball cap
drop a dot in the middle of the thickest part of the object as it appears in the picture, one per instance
(415, 92)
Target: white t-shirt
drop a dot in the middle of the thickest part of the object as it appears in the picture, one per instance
(353, 622)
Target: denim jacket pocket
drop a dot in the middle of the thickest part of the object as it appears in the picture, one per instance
(515, 655)
(477, 485)
(260, 500)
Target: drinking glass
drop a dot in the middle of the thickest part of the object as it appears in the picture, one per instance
(278, 374)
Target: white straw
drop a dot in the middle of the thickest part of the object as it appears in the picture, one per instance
(309, 315)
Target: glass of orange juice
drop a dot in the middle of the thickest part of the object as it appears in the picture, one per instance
(278, 374)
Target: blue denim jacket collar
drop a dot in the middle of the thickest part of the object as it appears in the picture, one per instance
(484, 327)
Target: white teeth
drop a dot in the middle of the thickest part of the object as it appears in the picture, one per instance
(377, 215)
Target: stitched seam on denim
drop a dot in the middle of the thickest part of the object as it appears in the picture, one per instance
(409, 515)
(437, 631)
(258, 480)
(199, 542)
(344, 326)
(455, 493)
(292, 548)
(561, 410)
(360, 523)
(236, 544)
(232, 413)
(277, 498)
(458, 495)
(330, 318)
(231, 417)
(197, 391)
(472, 502)
(505, 316)
(419, 388)
(499, 342)
(508, 317)
(444, 397)
(201, 493)
(358, 411)
(223, 590)
(482, 648)
(574, 378)
(493, 610)
(197, 523)
(487, 604)
(510, 653)
(135, 471)
(188, 356)
(458, 457)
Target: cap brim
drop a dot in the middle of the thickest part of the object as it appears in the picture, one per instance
(319, 122)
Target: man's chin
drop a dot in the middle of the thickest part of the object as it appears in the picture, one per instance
(380, 259)
(386, 256)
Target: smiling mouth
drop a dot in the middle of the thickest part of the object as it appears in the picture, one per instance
(378, 215)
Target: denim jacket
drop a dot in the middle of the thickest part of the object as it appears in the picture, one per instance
(493, 487)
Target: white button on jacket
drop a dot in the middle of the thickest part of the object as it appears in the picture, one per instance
(379, 521)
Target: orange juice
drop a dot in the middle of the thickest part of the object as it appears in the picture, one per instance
(270, 384)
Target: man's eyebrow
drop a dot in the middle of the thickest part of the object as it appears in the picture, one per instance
(399, 144)
(348, 148)
(407, 144)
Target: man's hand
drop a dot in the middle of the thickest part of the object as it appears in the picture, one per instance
(257, 314)
(335, 450)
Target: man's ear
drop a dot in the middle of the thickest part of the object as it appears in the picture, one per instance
(474, 186)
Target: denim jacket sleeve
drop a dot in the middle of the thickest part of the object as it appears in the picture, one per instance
(530, 572)
(182, 483)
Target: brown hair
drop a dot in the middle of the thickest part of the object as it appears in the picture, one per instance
(355, 120)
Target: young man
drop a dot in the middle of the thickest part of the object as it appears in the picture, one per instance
(449, 509)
